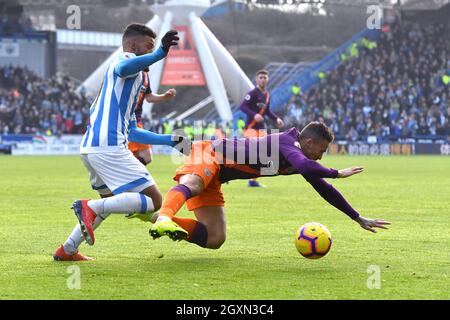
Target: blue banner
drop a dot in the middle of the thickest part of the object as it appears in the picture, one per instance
(16, 138)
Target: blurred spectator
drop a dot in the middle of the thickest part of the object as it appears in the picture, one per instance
(296, 89)
(15, 24)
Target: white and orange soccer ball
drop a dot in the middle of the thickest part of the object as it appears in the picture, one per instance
(313, 240)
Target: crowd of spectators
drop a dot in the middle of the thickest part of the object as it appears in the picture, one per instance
(33, 105)
(397, 89)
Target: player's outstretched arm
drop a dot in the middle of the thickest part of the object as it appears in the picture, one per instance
(308, 167)
(134, 65)
(182, 144)
(331, 195)
(334, 197)
(371, 224)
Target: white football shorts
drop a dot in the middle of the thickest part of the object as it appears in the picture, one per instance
(116, 172)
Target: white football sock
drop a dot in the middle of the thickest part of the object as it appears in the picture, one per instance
(76, 238)
(127, 202)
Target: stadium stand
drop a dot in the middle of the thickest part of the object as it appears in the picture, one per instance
(400, 89)
(33, 105)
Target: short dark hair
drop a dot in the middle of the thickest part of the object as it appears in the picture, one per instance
(317, 130)
(262, 71)
(137, 29)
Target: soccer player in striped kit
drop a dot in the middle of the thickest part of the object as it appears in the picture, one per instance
(123, 182)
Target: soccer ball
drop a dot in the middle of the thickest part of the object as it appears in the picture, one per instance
(313, 240)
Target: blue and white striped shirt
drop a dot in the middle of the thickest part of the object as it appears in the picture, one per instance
(112, 110)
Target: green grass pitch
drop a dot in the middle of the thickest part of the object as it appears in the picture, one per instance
(258, 260)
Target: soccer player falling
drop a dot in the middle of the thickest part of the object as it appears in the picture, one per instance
(123, 182)
(256, 105)
(212, 163)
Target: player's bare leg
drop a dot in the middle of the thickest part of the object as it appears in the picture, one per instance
(213, 218)
(193, 182)
(154, 193)
(144, 156)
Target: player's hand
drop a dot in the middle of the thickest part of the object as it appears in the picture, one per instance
(280, 123)
(370, 224)
(345, 173)
(170, 94)
(258, 118)
(182, 144)
(170, 39)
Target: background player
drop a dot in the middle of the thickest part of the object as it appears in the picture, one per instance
(211, 163)
(256, 105)
(121, 180)
(143, 152)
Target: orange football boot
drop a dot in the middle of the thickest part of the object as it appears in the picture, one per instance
(61, 255)
(86, 217)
